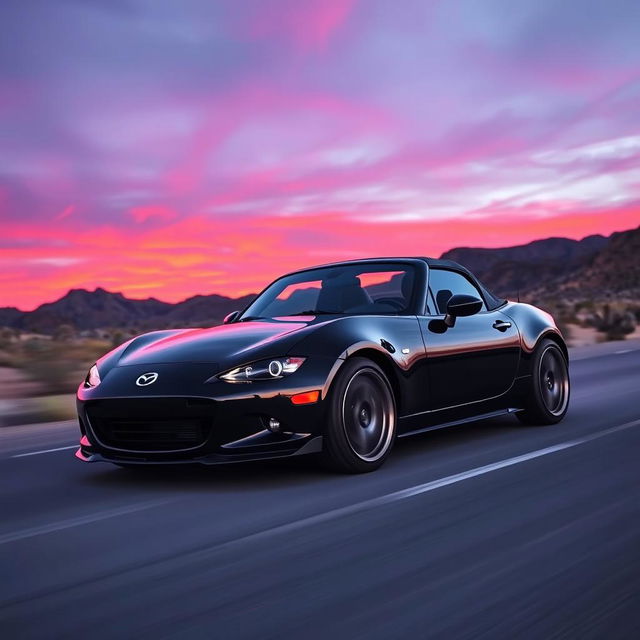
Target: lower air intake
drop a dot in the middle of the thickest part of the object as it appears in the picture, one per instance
(151, 424)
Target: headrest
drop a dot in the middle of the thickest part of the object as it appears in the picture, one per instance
(342, 293)
(406, 286)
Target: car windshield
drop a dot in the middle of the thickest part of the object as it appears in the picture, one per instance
(384, 288)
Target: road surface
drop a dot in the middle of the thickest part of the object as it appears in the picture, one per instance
(489, 530)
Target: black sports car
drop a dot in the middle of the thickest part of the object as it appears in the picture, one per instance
(339, 360)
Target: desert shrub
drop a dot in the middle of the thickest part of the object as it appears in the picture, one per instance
(57, 366)
(614, 323)
(565, 328)
(64, 333)
(7, 337)
(118, 337)
(584, 305)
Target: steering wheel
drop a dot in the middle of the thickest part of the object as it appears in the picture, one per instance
(393, 302)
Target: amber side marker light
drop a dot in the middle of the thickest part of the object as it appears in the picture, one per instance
(309, 397)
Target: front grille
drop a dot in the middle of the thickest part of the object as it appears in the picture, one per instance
(151, 424)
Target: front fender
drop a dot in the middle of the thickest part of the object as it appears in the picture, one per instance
(393, 342)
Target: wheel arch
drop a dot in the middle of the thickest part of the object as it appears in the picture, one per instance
(557, 338)
(383, 361)
(534, 325)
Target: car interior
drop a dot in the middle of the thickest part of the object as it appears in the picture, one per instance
(342, 291)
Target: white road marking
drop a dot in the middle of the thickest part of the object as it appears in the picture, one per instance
(37, 453)
(76, 522)
(424, 488)
(589, 355)
(334, 513)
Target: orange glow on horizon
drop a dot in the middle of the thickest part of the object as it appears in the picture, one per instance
(196, 255)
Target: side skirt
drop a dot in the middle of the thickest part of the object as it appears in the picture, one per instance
(453, 423)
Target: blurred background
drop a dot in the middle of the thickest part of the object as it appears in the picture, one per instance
(161, 162)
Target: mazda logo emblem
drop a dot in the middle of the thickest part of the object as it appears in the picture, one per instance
(146, 379)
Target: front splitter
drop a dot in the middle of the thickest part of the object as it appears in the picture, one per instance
(312, 446)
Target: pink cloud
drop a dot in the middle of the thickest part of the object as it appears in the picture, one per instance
(66, 212)
(153, 211)
(308, 25)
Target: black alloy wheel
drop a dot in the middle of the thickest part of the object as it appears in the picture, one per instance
(362, 418)
(548, 397)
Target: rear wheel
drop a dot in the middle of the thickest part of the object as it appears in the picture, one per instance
(361, 424)
(548, 396)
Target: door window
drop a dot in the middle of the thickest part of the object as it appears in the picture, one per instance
(443, 284)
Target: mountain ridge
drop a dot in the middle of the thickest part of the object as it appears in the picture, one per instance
(596, 268)
(100, 309)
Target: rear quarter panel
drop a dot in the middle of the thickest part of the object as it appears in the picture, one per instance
(533, 324)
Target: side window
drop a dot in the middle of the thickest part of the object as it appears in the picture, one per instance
(443, 284)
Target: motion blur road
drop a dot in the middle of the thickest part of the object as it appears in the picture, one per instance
(488, 530)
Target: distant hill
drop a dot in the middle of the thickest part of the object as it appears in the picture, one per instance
(93, 309)
(102, 309)
(205, 310)
(613, 272)
(9, 316)
(557, 250)
(595, 268)
(521, 269)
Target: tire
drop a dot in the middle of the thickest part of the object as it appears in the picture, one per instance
(548, 396)
(361, 425)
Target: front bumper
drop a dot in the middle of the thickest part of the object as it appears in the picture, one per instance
(270, 448)
(216, 423)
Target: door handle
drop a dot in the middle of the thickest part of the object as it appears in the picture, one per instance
(501, 325)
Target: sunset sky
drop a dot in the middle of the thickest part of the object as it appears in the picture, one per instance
(173, 148)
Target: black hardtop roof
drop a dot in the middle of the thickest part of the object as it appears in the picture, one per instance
(432, 262)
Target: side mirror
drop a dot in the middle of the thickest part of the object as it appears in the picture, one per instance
(230, 317)
(460, 306)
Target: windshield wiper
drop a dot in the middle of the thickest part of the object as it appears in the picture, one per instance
(249, 318)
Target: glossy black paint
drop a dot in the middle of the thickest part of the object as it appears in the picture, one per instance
(439, 374)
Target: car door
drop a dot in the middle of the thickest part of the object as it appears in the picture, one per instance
(474, 360)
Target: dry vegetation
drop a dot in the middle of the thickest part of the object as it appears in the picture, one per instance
(56, 364)
(40, 373)
(608, 320)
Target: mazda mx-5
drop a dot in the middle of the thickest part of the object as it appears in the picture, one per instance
(337, 360)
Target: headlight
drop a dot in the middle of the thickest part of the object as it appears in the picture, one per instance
(264, 370)
(93, 377)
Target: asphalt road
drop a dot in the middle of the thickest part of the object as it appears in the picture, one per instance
(487, 530)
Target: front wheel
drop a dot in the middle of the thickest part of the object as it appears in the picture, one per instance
(361, 424)
(548, 396)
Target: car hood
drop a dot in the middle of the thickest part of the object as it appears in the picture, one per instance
(232, 343)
